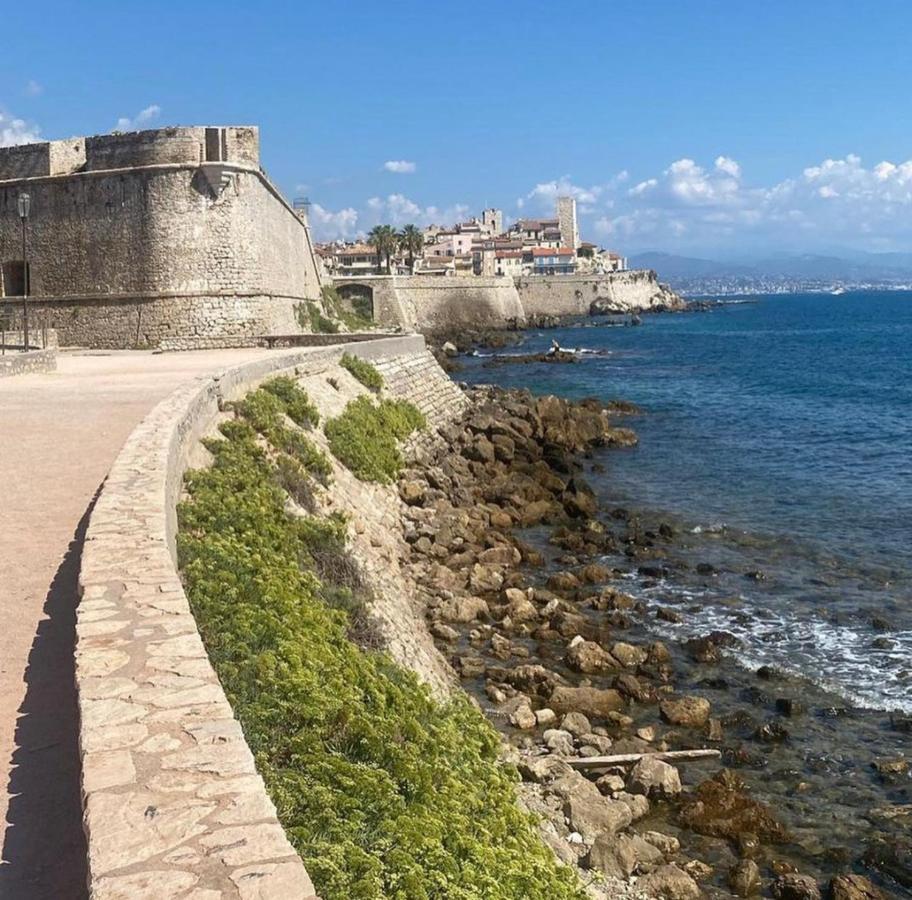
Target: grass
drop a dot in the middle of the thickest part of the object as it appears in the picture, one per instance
(364, 371)
(356, 313)
(365, 438)
(384, 792)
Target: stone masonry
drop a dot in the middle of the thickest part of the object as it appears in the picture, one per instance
(173, 804)
(134, 239)
(23, 363)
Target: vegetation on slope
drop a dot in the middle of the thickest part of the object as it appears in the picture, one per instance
(365, 438)
(384, 792)
(356, 313)
(265, 410)
(364, 371)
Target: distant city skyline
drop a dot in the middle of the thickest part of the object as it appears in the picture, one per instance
(701, 130)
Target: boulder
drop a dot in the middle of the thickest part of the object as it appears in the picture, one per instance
(589, 657)
(720, 807)
(792, 886)
(854, 887)
(501, 555)
(519, 607)
(545, 716)
(464, 609)
(591, 702)
(666, 844)
(543, 769)
(654, 778)
(619, 856)
(628, 655)
(594, 816)
(690, 712)
(485, 579)
(669, 883)
(558, 741)
(744, 878)
(576, 723)
(413, 492)
(523, 717)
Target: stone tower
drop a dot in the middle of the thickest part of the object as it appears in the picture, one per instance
(493, 219)
(569, 226)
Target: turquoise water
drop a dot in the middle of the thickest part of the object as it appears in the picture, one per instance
(777, 437)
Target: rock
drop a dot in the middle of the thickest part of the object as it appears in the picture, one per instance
(795, 887)
(789, 707)
(563, 581)
(669, 883)
(589, 657)
(887, 767)
(558, 741)
(771, 733)
(628, 655)
(576, 723)
(592, 817)
(519, 607)
(501, 555)
(594, 573)
(744, 878)
(665, 843)
(636, 803)
(669, 615)
(697, 870)
(654, 778)
(598, 742)
(690, 712)
(464, 609)
(545, 716)
(523, 717)
(469, 666)
(619, 856)
(720, 807)
(413, 492)
(445, 632)
(543, 769)
(485, 579)
(854, 887)
(481, 450)
(610, 784)
(647, 733)
(587, 700)
(449, 349)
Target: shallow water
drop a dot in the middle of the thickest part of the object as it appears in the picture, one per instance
(777, 438)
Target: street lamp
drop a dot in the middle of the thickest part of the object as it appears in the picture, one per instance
(25, 202)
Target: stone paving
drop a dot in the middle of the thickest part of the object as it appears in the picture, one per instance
(59, 434)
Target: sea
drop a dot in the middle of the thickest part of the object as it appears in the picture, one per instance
(776, 440)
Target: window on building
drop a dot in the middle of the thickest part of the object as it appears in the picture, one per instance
(15, 276)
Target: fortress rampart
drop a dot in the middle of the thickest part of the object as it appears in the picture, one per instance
(135, 239)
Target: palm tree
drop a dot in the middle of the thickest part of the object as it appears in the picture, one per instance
(411, 240)
(383, 239)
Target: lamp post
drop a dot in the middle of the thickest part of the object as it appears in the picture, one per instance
(25, 202)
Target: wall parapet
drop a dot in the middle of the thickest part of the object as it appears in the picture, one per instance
(25, 363)
(173, 803)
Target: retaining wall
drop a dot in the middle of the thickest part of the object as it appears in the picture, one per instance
(173, 804)
(22, 363)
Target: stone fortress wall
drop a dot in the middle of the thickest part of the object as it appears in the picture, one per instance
(140, 238)
(173, 803)
(429, 303)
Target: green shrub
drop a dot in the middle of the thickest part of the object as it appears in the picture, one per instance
(357, 312)
(384, 792)
(264, 411)
(366, 373)
(311, 316)
(298, 405)
(365, 437)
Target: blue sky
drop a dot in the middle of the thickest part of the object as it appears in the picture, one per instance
(696, 127)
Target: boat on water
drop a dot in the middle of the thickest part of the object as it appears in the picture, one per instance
(836, 292)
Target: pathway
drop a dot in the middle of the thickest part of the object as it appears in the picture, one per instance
(59, 434)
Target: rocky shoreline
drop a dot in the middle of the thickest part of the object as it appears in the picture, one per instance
(508, 542)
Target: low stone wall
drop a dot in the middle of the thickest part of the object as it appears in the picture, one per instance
(173, 803)
(22, 363)
(572, 295)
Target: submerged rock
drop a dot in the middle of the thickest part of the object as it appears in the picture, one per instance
(690, 712)
(854, 887)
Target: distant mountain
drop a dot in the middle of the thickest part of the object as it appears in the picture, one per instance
(860, 267)
(669, 265)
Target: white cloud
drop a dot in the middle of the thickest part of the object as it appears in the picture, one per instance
(140, 120)
(330, 226)
(17, 131)
(545, 194)
(400, 166)
(33, 88)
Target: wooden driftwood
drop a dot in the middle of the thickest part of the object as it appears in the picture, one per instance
(626, 759)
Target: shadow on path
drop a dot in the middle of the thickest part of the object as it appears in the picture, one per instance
(44, 850)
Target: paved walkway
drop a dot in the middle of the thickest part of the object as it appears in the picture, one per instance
(59, 434)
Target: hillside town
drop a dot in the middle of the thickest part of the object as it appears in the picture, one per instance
(479, 247)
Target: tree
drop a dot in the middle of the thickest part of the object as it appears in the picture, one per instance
(411, 240)
(384, 240)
